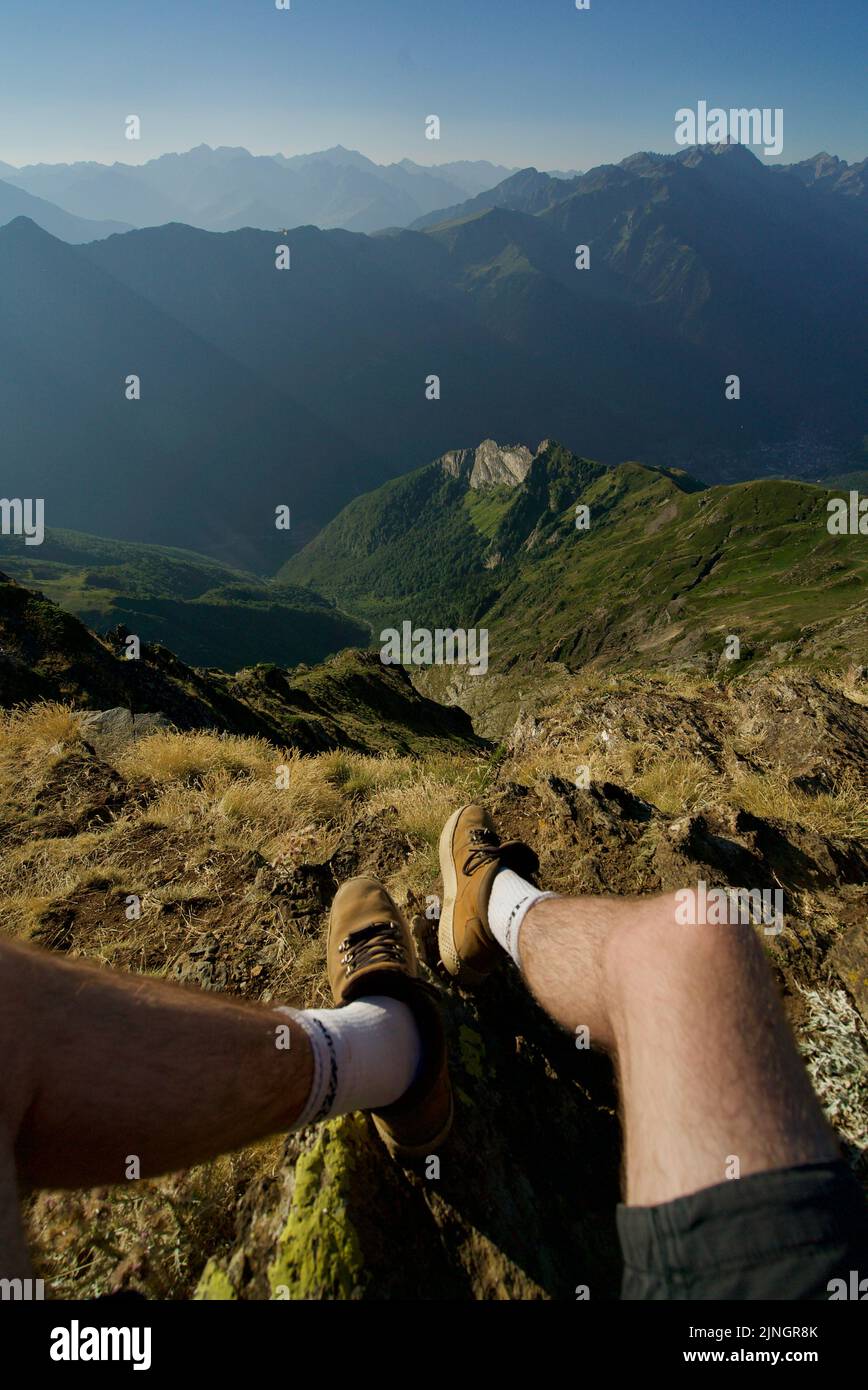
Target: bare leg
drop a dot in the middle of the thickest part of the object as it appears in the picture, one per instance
(101, 1068)
(707, 1066)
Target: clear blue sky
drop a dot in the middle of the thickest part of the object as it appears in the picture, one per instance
(516, 81)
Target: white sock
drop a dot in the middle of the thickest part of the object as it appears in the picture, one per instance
(365, 1055)
(511, 899)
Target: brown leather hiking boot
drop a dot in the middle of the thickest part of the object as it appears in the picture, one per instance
(371, 951)
(470, 856)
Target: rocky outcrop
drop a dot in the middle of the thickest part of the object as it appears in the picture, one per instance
(489, 465)
(110, 730)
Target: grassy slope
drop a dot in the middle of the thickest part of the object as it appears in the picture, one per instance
(349, 701)
(206, 612)
(668, 574)
(667, 570)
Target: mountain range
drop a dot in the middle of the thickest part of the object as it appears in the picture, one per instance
(302, 388)
(528, 190)
(17, 202)
(227, 188)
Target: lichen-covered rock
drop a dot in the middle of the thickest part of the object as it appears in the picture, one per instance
(214, 1284)
(318, 1253)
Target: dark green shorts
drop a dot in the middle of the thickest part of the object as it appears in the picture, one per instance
(785, 1234)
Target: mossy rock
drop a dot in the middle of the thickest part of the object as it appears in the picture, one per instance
(214, 1285)
(319, 1254)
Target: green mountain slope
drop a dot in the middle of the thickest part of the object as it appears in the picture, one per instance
(207, 612)
(665, 572)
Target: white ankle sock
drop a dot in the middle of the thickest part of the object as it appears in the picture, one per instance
(511, 899)
(365, 1055)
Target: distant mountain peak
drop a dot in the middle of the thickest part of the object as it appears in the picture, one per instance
(24, 229)
(732, 150)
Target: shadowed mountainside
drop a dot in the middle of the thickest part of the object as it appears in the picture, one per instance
(352, 701)
(207, 613)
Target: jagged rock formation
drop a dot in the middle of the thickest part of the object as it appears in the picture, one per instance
(489, 465)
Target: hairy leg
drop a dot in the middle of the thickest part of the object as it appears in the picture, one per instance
(707, 1068)
(103, 1067)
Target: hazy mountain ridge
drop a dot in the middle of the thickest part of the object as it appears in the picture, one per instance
(228, 188)
(17, 202)
(207, 453)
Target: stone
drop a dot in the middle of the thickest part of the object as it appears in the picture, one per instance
(110, 730)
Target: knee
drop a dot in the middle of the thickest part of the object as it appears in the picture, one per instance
(670, 935)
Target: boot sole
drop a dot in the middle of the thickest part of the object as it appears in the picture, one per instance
(445, 935)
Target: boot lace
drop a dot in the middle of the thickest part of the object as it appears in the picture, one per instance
(381, 943)
(485, 846)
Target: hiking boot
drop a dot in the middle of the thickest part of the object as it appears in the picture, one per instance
(371, 951)
(470, 855)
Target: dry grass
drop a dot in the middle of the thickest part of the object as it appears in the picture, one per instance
(563, 746)
(50, 867)
(37, 727)
(677, 785)
(772, 795)
(169, 757)
(359, 774)
(210, 798)
(422, 808)
(848, 683)
(32, 741)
